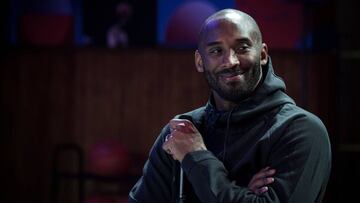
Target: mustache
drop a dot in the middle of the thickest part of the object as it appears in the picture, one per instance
(230, 71)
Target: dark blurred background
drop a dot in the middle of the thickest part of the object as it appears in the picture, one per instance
(87, 85)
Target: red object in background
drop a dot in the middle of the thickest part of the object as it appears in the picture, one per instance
(108, 157)
(46, 30)
(280, 22)
(185, 23)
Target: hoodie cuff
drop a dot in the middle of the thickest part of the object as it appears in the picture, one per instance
(194, 158)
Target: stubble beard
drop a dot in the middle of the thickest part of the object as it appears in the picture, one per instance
(234, 92)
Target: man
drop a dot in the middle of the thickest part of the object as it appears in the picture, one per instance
(225, 148)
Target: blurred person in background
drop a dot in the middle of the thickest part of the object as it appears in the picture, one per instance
(117, 35)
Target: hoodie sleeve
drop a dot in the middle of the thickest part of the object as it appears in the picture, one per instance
(301, 156)
(155, 183)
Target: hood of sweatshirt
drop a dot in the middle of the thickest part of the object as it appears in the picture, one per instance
(269, 94)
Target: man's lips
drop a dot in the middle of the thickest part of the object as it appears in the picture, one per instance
(230, 72)
(234, 78)
(231, 76)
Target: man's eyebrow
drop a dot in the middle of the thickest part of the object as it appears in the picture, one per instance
(244, 40)
(240, 40)
(212, 43)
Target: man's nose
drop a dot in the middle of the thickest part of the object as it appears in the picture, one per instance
(230, 59)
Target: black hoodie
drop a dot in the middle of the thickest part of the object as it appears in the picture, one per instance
(266, 129)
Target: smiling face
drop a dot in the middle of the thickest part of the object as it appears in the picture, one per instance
(230, 54)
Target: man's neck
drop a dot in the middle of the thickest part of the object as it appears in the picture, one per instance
(221, 104)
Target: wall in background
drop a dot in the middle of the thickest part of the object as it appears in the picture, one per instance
(55, 96)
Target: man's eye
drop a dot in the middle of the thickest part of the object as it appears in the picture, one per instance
(215, 51)
(242, 48)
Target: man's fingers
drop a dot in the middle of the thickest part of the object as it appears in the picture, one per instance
(270, 172)
(266, 168)
(168, 137)
(182, 125)
(266, 181)
(262, 182)
(176, 121)
(264, 173)
(184, 138)
(261, 190)
(166, 144)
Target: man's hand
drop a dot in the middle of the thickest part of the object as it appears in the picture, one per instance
(258, 183)
(184, 138)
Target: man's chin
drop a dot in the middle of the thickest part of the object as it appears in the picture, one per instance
(234, 95)
(232, 87)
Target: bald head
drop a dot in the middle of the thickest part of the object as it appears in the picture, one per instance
(239, 18)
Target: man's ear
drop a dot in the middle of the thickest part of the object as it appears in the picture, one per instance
(264, 54)
(198, 62)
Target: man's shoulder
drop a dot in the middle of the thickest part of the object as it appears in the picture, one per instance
(303, 122)
(196, 114)
(297, 112)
